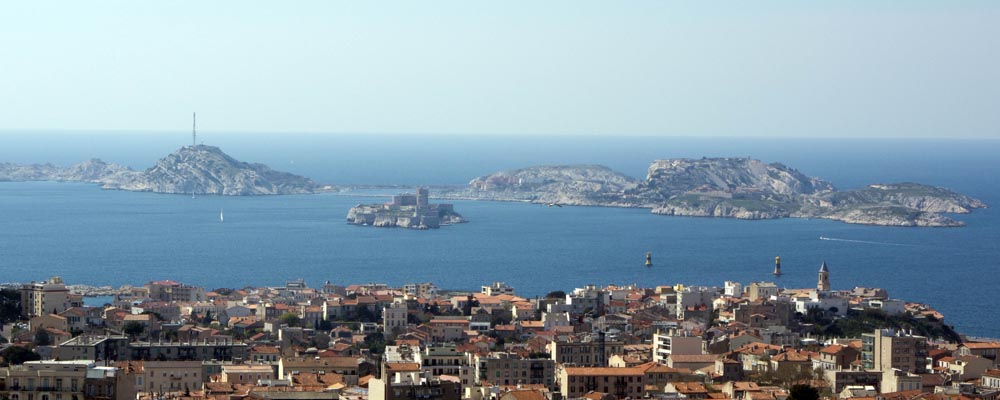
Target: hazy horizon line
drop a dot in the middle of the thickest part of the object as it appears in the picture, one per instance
(17, 131)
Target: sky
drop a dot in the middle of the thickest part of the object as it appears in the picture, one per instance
(657, 68)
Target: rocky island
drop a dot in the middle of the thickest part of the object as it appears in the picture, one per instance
(406, 210)
(741, 188)
(196, 169)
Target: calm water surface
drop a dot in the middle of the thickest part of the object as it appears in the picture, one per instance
(98, 237)
(92, 236)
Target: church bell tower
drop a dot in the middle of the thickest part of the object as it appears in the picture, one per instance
(823, 284)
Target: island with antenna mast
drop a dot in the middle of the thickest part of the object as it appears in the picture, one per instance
(191, 170)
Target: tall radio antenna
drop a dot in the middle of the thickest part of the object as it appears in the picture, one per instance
(194, 129)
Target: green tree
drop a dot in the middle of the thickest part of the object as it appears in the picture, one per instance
(366, 315)
(375, 342)
(558, 294)
(470, 303)
(325, 325)
(133, 328)
(803, 392)
(42, 338)
(291, 319)
(15, 355)
(10, 306)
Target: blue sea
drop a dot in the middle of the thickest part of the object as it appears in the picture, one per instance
(92, 236)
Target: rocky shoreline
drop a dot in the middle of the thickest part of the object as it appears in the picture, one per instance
(191, 170)
(412, 211)
(740, 188)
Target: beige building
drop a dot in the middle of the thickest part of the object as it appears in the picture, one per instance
(761, 290)
(169, 291)
(888, 349)
(508, 369)
(64, 380)
(618, 382)
(986, 350)
(394, 320)
(588, 352)
(665, 344)
(991, 379)
(496, 289)
(404, 381)
(164, 376)
(246, 373)
(47, 297)
(48, 321)
(349, 367)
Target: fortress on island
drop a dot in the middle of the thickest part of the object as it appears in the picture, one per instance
(406, 210)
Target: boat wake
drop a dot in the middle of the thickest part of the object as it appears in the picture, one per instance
(865, 242)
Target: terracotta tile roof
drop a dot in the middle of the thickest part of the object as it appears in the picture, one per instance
(793, 356)
(654, 367)
(689, 387)
(442, 321)
(982, 345)
(904, 395)
(682, 358)
(745, 386)
(264, 349)
(314, 380)
(75, 311)
(290, 363)
(832, 349)
(402, 367)
(524, 395)
(407, 342)
(602, 371)
(594, 396)
(761, 395)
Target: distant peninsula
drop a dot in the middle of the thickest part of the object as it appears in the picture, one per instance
(741, 188)
(406, 210)
(196, 170)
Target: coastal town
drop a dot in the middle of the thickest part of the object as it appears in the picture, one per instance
(753, 341)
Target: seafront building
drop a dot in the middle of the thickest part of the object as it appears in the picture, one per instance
(374, 341)
(47, 297)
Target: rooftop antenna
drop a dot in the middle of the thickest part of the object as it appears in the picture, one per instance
(194, 129)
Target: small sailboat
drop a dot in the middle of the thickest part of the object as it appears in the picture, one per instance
(222, 218)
